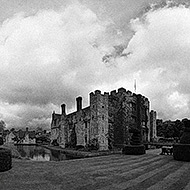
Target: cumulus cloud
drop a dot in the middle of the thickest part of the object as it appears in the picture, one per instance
(160, 49)
(54, 56)
(49, 58)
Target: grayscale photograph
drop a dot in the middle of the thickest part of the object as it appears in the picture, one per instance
(94, 95)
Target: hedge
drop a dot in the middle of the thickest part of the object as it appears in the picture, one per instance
(181, 152)
(1, 140)
(5, 159)
(134, 149)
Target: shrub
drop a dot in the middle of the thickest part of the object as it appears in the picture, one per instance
(185, 138)
(1, 140)
(5, 159)
(78, 147)
(136, 137)
(181, 152)
(134, 149)
(55, 143)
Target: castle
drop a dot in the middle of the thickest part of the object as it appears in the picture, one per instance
(108, 119)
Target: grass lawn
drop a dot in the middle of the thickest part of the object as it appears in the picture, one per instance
(150, 171)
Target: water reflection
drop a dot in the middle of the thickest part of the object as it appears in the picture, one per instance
(39, 153)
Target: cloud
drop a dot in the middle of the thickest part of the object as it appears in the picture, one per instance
(52, 57)
(160, 47)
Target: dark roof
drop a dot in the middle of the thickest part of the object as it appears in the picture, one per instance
(21, 134)
(57, 116)
(84, 110)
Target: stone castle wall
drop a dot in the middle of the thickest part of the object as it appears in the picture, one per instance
(153, 132)
(108, 119)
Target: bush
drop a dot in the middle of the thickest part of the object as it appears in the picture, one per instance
(1, 140)
(78, 147)
(134, 149)
(185, 138)
(181, 152)
(93, 145)
(55, 143)
(5, 159)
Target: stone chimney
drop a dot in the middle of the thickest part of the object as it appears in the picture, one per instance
(79, 103)
(63, 112)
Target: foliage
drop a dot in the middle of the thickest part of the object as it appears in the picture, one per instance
(136, 137)
(133, 149)
(5, 159)
(12, 129)
(93, 145)
(1, 140)
(2, 126)
(170, 129)
(16, 139)
(185, 138)
(55, 143)
(181, 152)
(43, 139)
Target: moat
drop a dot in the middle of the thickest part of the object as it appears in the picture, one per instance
(39, 153)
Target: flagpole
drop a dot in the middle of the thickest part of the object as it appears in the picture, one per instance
(135, 85)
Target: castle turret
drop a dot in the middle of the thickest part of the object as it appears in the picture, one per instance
(79, 103)
(63, 110)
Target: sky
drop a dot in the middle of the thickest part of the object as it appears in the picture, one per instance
(52, 51)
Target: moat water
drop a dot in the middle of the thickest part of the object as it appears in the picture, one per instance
(38, 153)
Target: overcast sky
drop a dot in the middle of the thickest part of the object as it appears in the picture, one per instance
(52, 51)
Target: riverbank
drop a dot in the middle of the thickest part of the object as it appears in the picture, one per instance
(71, 153)
(14, 151)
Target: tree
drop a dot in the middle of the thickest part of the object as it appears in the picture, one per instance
(170, 129)
(2, 126)
(178, 128)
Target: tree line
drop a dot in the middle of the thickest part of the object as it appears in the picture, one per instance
(170, 129)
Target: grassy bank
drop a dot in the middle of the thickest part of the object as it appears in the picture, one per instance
(14, 151)
(149, 171)
(71, 153)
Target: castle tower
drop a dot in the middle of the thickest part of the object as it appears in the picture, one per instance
(99, 118)
(63, 127)
(152, 125)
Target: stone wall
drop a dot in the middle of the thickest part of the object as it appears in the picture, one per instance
(55, 127)
(79, 123)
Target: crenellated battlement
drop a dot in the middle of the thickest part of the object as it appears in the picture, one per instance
(121, 91)
(98, 92)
